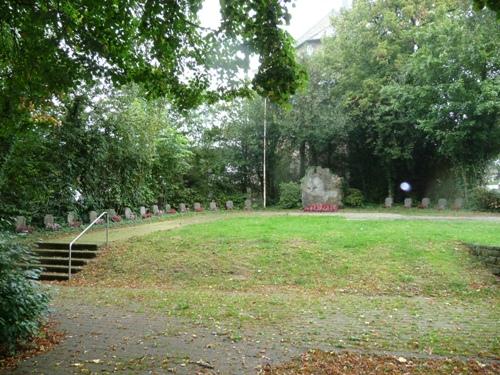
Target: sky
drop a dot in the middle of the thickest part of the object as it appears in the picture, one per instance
(305, 14)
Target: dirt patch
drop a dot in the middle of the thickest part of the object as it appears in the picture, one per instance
(347, 363)
(48, 337)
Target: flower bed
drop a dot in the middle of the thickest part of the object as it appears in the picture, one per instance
(321, 207)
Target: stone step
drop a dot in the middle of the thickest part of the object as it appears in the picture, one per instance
(62, 246)
(62, 261)
(54, 276)
(55, 268)
(64, 253)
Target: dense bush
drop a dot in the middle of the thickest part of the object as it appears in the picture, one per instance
(485, 200)
(23, 302)
(289, 195)
(354, 198)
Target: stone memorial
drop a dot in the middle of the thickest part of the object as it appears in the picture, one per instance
(167, 208)
(426, 203)
(248, 204)
(129, 215)
(48, 221)
(458, 204)
(92, 216)
(20, 221)
(229, 205)
(197, 207)
(213, 206)
(142, 211)
(71, 218)
(111, 212)
(408, 202)
(182, 207)
(320, 186)
(155, 209)
(388, 202)
(442, 203)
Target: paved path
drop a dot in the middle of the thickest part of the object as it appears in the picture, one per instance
(105, 340)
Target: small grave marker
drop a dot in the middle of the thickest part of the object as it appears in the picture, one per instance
(248, 204)
(155, 209)
(213, 206)
(388, 202)
(229, 205)
(458, 204)
(408, 202)
(48, 221)
(442, 203)
(71, 218)
(129, 215)
(426, 202)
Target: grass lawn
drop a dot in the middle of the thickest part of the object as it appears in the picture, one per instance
(321, 281)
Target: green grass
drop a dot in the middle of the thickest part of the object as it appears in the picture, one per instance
(398, 285)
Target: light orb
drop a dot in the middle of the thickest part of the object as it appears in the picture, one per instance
(405, 186)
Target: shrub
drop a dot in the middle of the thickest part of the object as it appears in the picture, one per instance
(289, 195)
(354, 198)
(485, 200)
(23, 302)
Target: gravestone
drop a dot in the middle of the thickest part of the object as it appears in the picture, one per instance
(426, 202)
(92, 216)
(48, 221)
(71, 217)
(182, 207)
(320, 186)
(111, 212)
(408, 202)
(20, 222)
(167, 207)
(442, 203)
(155, 209)
(248, 204)
(142, 210)
(129, 215)
(388, 202)
(213, 206)
(458, 204)
(229, 205)
(197, 206)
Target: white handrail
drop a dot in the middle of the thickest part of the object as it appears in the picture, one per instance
(83, 232)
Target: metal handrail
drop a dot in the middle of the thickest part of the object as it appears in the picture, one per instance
(83, 232)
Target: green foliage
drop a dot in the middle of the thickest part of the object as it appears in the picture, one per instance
(118, 151)
(158, 44)
(23, 302)
(485, 200)
(354, 198)
(289, 195)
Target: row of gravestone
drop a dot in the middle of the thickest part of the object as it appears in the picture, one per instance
(72, 218)
(442, 203)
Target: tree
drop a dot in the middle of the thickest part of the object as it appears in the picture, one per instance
(402, 71)
(50, 47)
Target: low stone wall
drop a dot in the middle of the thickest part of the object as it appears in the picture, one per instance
(490, 255)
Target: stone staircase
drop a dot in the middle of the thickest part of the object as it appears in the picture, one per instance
(54, 258)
